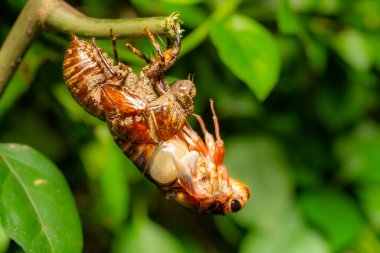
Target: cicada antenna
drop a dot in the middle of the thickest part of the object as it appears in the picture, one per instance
(113, 39)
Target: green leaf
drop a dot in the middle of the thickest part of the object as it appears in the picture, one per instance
(4, 241)
(287, 21)
(36, 206)
(370, 201)
(359, 153)
(291, 236)
(249, 51)
(351, 45)
(184, 2)
(368, 242)
(303, 5)
(191, 14)
(333, 213)
(259, 162)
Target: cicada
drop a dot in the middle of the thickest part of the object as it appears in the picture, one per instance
(148, 120)
(190, 171)
(144, 109)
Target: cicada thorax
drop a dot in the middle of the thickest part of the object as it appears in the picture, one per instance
(86, 69)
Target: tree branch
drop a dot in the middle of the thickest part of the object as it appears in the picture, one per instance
(57, 15)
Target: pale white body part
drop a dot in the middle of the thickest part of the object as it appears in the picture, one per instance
(162, 169)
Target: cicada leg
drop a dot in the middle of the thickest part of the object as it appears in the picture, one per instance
(163, 62)
(113, 39)
(193, 140)
(209, 139)
(104, 61)
(213, 147)
(155, 44)
(166, 59)
(219, 144)
(158, 65)
(138, 52)
(169, 44)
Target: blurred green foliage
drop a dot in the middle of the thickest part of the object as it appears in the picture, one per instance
(296, 89)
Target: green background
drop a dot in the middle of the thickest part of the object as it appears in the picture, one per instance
(296, 90)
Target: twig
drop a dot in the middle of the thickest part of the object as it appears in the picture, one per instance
(57, 15)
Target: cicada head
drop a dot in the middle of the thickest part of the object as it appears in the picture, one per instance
(206, 188)
(236, 200)
(230, 198)
(221, 199)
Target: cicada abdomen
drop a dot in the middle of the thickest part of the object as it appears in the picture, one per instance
(86, 69)
(155, 160)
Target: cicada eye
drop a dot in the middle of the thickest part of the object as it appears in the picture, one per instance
(235, 205)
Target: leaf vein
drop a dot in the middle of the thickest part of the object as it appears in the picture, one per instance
(14, 173)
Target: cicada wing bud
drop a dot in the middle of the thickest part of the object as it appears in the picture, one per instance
(186, 168)
(190, 161)
(125, 102)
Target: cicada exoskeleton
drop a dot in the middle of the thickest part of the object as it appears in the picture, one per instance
(142, 109)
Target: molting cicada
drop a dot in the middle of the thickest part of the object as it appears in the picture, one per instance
(148, 120)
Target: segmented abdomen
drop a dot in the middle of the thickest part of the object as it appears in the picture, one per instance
(155, 161)
(84, 74)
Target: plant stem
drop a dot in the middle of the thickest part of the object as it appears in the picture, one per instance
(56, 15)
(65, 18)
